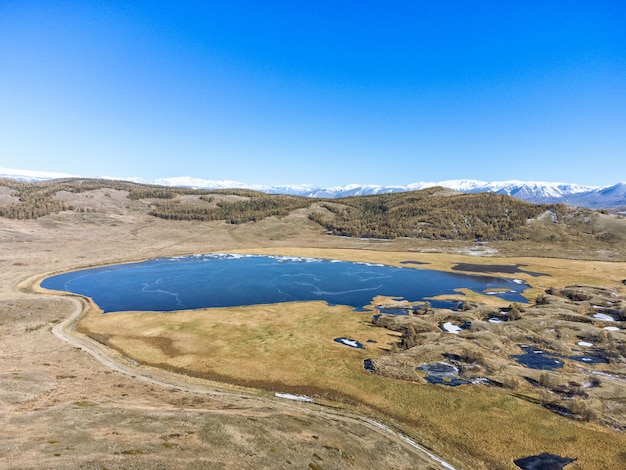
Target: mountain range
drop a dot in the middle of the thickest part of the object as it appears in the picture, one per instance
(593, 197)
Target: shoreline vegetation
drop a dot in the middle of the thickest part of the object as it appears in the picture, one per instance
(290, 348)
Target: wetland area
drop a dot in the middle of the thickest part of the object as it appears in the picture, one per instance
(411, 354)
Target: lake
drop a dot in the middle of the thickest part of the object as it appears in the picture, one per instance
(227, 280)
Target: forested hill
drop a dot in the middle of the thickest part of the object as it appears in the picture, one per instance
(433, 213)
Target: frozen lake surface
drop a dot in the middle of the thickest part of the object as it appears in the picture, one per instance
(208, 281)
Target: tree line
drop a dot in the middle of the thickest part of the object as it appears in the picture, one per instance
(252, 209)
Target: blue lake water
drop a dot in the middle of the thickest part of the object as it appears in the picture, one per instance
(206, 281)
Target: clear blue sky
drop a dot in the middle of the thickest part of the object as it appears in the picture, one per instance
(320, 92)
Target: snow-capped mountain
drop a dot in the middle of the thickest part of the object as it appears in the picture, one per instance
(532, 191)
(190, 182)
(31, 176)
(607, 197)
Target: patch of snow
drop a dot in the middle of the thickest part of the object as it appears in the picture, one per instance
(350, 342)
(549, 214)
(289, 396)
(611, 328)
(608, 376)
(478, 251)
(495, 320)
(451, 328)
(481, 381)
(585, 344)
(603, 317)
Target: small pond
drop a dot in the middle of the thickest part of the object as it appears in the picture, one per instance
(494, 268)
(543, 461)
(206, 281)
(368, 365)
(537, 359)
(442, 374)
(351, 343)
(543, 360)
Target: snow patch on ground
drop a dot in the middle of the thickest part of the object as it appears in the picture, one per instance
(603, 317)
(349, 342)
(585, 344)
(451, 328)
(289, 396)
(478, 250)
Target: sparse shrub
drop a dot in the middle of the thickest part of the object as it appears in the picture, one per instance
(577, 295)
(132, 452)
(512, 382)
(582, 409)
(542, 299)
(548, 381)
(409, 337)
(576, 389)
(84, 404)
(586, 309)
(514, 312)
(608, 237)
(475, 356)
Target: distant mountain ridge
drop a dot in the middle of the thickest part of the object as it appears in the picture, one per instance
(593, 197)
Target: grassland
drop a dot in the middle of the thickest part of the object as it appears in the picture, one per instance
(286, 347)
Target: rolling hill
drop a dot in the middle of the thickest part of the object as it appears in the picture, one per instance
(434, 213)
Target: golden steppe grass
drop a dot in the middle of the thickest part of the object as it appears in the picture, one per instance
(290, 348)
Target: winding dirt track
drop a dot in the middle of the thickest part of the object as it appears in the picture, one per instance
(161, 378)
